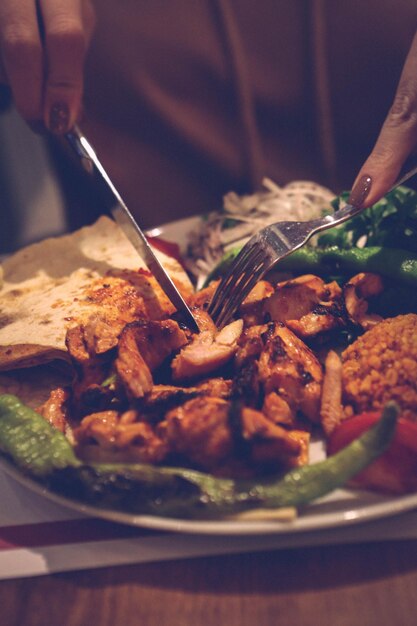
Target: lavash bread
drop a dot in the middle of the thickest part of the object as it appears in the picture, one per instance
(45, 289)
(33, 385)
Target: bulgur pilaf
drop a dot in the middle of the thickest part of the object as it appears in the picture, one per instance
(381, 365)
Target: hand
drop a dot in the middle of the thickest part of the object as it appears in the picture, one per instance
(396, 141)
(42, 51)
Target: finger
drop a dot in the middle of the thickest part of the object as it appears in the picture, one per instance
(65, 40)
(396, 141)
(89, 19)
(21, 53)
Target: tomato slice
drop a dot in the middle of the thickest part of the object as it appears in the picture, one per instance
(396, 470)
(167, 247)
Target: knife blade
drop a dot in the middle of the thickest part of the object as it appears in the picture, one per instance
(124, 218)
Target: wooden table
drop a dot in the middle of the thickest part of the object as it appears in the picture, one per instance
(357, 585)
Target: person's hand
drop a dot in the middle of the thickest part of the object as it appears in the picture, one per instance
(396, 141)
(43, 44)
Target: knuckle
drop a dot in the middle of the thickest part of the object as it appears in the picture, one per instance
(19, 45)
(382, 155)
(67, 33)
(403, 111)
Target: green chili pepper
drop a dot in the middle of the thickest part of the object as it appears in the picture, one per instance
(37, 448)
(400, 265)
(309, 482)
(34, 445)
(389, 262)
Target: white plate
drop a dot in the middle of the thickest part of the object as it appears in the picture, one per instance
(338, 509)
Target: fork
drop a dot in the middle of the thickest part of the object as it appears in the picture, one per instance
(271, 244)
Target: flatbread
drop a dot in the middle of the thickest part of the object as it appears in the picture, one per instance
(51, 285)
(33, 385)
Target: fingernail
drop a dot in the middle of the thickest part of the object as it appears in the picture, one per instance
(59, 118)
(360, 191)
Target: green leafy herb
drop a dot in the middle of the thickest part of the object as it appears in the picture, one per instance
(391, 223)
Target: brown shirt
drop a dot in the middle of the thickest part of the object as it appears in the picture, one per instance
(188, 99)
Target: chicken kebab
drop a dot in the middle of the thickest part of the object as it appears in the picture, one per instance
(242, 401)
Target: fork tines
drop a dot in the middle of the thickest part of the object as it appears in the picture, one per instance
(247, 268)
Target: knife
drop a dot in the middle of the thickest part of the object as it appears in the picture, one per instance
(128, 224)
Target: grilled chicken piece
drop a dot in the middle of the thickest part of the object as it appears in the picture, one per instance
(246, 384)
(326, 316)
(262, 290)
(143, 346)
(356, 292)
(77, 345)
(277, 410)
(290, 369)
(207, 352)
(201, 299)
(219, 387)
(110, 437)
(131, 367)
(203, 431)
(269, 442)
(163, 398)
(135, 295)
(117, 299)
(307, 305)
(101, 334)
(161, 394)
(302, 437)
(251, 344)
(204, 321)
(156, 340)
(91, 369)
(272, 359)
(97, 427)
(252, 309)
(199, 430)
(294, 298)
(54, 409)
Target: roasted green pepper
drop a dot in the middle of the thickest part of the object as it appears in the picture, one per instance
(33, 444)
(393, 263)
(309, 482)
(39, 449)
(400, 265)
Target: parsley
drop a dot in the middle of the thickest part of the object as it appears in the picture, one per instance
(391, 223)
